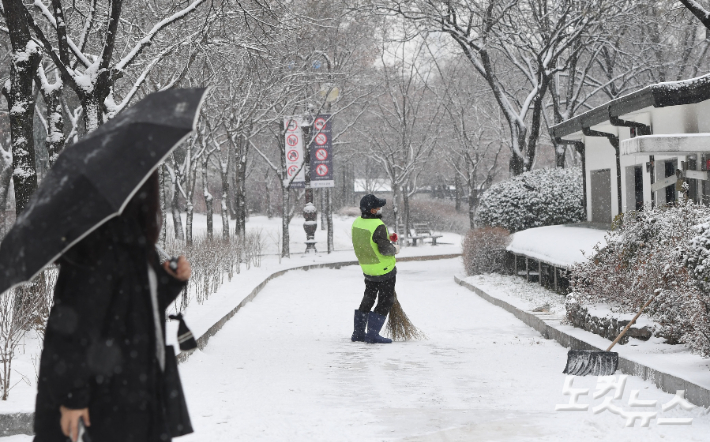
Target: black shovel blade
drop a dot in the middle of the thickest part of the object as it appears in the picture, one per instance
(591, 362)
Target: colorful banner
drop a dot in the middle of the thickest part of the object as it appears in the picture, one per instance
(294, 152)
(322, 153)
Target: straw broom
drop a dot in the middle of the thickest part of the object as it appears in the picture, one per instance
(399, 327)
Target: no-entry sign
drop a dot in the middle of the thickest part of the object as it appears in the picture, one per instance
(321, 139)
(322, 170)
(293, 138)
(321, 153)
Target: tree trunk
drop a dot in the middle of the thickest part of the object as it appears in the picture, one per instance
(457, 185)
(531, 145)
(240, 205)
(267, 189)
(285, 240)
(240, 197)
(189, 212)
(24, 62)
(223, 209)
(92, 112)
(471, 207)
(5, 180)
(395, 207)
(163, 207)
(208, 198)
(175, 207)
(472, 198)
(407, 220)
(52, 95)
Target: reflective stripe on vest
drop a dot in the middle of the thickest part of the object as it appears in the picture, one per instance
(368, 254)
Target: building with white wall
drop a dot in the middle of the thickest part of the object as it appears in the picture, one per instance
(635, 148)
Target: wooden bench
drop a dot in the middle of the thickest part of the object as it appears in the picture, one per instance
(422, 231)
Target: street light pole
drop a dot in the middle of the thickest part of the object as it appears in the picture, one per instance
(310, 214)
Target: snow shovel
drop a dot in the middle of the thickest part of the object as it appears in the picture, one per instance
(598, 363)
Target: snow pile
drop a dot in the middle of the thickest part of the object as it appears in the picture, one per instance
(558, 245)
(542, 197)
(518, 292)
(643, 258)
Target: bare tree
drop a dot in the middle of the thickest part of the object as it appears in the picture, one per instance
(529, 35)
(93, 79)
(25, 59)
(408, 118)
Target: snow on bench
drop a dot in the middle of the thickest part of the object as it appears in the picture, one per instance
(559, 246)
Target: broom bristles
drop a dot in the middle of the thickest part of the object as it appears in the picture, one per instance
(399, 327)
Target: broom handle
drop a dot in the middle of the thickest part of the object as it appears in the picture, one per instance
(621, 335)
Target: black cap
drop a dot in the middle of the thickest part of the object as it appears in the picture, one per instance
(370, 201)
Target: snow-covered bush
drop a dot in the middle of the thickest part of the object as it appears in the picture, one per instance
(484, 250)
(644, 257)
(543, 197)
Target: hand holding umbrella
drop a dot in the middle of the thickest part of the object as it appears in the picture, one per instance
(182, 271)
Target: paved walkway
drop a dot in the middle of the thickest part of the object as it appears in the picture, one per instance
(284, 370)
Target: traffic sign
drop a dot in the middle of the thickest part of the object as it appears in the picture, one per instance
(292, 125)
(321, 139)
(321, 154)
(292, 140)
(292, 155)
(322, 170)
(319, 123)
(292, 170)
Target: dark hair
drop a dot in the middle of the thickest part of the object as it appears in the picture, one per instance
(144, 207)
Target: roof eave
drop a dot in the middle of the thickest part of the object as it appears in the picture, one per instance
(667, 94)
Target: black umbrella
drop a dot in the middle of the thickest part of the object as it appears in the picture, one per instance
(93, 180)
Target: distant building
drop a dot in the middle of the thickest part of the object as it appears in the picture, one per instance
(371, 185)
(636, 148)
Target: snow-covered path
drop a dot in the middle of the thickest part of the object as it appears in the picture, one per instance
(284, 369)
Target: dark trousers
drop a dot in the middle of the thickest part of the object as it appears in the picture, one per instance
(383, 292)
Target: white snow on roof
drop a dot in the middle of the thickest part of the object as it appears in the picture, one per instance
(558, 245)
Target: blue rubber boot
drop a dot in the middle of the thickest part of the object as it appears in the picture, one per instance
(360, 324)
(374, 325)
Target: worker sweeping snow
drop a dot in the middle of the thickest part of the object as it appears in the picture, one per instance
(375, 249)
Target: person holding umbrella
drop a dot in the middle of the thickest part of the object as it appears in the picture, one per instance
(105, 364)
(104, 348)
(375, 249)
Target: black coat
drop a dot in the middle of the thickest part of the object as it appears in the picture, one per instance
(100, 344)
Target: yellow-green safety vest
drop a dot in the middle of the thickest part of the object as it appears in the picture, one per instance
(373, 263)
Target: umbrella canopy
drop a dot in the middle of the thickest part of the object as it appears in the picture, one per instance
(94, 179)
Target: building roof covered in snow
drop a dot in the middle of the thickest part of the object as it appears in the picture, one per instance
(669, 93)
(562, 245)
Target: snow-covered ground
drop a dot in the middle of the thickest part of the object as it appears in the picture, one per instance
(676, 360)
(518, 292)
(561, 245)
(201, 317)
(271, 232)
(285, 369)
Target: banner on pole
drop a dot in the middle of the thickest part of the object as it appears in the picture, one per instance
(294, 152)
(322, 153)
